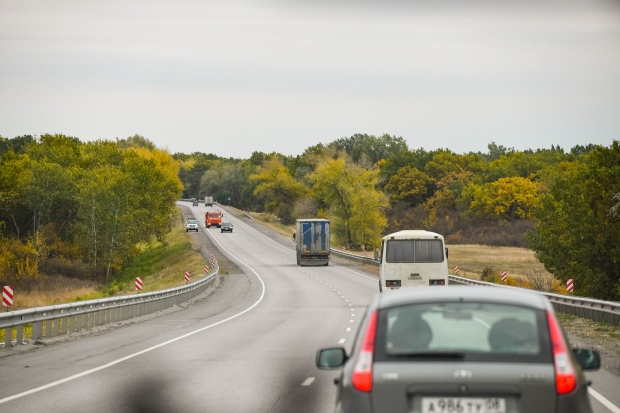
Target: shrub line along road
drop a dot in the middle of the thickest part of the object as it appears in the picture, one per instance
(249, 347)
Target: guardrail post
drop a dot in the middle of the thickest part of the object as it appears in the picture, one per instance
(56, 327)
(48, 328)
(8, 335)
(65, 321)
(78, 323)
(19, 336)
(37, 330)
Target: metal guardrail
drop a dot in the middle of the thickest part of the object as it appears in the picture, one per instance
(355, 257)
(55, 320)
(597, 310)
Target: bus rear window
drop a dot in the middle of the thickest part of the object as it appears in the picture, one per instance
(419, 250)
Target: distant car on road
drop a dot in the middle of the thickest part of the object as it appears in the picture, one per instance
(460, 349)
(191, 225)
(194, 202)
(227, 226)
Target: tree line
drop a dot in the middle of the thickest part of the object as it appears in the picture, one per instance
(80, 209)
(564, 204)
(85, 209)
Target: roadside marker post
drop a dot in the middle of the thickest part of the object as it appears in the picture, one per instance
(7, 296)
(138, 284)
(206, 269)
(456, 270)
(569, 285)
(187, 277)
(504, 276)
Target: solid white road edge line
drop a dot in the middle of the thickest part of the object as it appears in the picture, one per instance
(165, 343)
(598, 396)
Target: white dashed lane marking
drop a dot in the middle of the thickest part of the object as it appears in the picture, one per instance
(308, 381)
(348, 328)
(342, 340)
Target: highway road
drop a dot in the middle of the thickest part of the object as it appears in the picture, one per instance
(249, 347)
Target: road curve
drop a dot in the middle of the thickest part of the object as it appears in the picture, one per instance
(249, 347)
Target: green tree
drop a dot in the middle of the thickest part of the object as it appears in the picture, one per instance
(576, 234)
(370, 149)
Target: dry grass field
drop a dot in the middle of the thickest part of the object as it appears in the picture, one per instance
(521, 266)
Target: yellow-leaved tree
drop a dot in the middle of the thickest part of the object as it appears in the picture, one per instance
(356, 206)
(278, 188)
(505, 199)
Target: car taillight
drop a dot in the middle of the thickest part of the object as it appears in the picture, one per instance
(565, 375)
(362, 373)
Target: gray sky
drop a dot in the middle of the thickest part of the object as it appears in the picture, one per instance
(232, 77)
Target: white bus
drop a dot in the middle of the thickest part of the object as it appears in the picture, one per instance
(413, 259)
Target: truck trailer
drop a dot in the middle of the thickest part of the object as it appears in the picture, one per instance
(312, 241)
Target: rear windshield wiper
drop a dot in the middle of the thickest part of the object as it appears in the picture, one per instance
(432, 354)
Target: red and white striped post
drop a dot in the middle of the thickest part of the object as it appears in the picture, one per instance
(504, 276)
(187, 277)
(7, 296)
(456, 270)
(206, 269)
(569, 285)
(138, 284)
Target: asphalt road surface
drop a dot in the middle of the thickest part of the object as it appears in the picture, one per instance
(249, 347)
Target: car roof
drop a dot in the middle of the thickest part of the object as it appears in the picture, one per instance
(498, 295)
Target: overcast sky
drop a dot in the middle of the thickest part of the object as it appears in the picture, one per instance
(236, 76)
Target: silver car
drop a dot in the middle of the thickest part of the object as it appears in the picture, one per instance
(191, 225)
(460, 350)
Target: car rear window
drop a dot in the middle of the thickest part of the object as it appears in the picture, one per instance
(470, 331)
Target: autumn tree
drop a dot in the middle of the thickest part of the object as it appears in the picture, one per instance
(278, 189)
(505, 199)
(410, 185)
(356, 206)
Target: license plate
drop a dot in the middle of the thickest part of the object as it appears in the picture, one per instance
(463, 405)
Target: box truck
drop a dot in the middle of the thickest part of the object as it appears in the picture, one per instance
(312, 241)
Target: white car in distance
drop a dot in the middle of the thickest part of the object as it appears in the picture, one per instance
(191, 225)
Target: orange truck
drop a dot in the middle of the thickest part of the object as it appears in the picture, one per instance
(213, 218)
